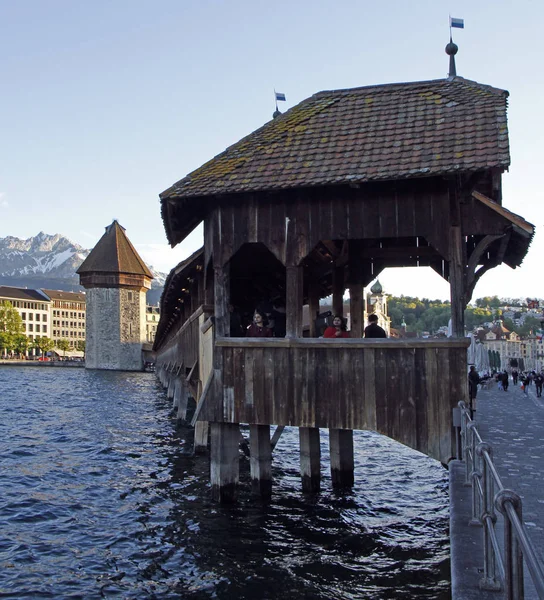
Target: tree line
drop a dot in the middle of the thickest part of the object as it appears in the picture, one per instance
(429, 315)
(13, 339)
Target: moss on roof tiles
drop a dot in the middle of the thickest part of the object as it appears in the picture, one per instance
(446, 117)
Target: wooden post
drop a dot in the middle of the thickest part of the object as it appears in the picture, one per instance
(338, 291)
(261, 460)
(310, 459)
(342, 463)
(356, 310)
(457, 283)
(225, 467)
(221, 294)
(457, 264)
(294, 281)
(201, 436)
(313, 305)
(171, 386)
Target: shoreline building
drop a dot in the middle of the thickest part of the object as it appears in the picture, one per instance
(117, 281)
(34, 307)
(68, 316)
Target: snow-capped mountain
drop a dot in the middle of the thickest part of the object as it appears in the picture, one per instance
(28, 263)
(51, 255)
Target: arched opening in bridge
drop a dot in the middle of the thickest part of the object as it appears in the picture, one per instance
(257, 278)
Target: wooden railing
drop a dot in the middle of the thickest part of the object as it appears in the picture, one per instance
(403, 389)
(183, 347)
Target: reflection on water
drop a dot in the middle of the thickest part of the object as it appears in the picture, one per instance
(100, 499)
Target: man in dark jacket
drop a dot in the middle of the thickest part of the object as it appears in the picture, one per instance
(504, 378)
(373, 330)
(473, 381)
(539, 380)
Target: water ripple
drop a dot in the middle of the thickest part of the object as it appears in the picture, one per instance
(100, 499)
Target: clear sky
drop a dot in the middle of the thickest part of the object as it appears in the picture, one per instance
(106, 103)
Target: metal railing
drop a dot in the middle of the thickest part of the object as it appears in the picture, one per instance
(503, 569)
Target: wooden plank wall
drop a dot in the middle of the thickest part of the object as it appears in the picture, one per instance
(292, 223)
(403, 390)
(182, 347)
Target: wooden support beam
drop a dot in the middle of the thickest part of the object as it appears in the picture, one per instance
(458, 262)
(313, 306)
(356, 305)
(225, 461)
(276, 437)
(181, 398)
(457, 282)
(260, 460)
(221, 294)
(338, 291)
(294, 299)
(171, 383)
(310, 459)
(202, 429)
(342, 462)
(207, 390)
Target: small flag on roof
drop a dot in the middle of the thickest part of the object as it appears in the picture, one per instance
(459, 23)
(280, 97)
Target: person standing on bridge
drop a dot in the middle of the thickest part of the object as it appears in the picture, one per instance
(373, 330)
(258, 327)
(337, 329)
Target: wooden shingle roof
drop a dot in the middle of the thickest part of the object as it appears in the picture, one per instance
(382, 132)
(114, 253)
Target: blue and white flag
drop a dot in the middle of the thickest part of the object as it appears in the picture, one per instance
(460, 23)
(280, 97)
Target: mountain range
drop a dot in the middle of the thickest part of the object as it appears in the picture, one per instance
(50, 262)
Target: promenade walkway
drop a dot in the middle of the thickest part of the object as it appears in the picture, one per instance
(513, 423)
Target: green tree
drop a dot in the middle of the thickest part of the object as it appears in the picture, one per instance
(63, 345)
(44, 344)
(11, 325)
(80, 345)
(21, 344)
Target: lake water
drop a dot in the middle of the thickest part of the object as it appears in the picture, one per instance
(101, 498)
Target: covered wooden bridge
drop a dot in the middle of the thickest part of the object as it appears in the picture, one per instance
(316, 202)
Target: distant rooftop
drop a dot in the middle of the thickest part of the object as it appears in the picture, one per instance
(15, 293)
(68, 296)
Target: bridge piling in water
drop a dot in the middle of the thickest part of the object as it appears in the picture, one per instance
(310, 459)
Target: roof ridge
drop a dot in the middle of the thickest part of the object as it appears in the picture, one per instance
(399, 85)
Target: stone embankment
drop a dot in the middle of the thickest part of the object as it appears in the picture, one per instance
(40, 363)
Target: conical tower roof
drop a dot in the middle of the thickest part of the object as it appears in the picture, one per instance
(114, 254)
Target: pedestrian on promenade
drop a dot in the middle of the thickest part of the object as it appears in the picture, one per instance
(504, 378)
(515, 376)
(523, 379)
(539, 380)
(473, 381)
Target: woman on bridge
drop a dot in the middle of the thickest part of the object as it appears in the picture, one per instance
(338, 328)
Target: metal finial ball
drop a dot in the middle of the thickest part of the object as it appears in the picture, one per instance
(452, 49)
